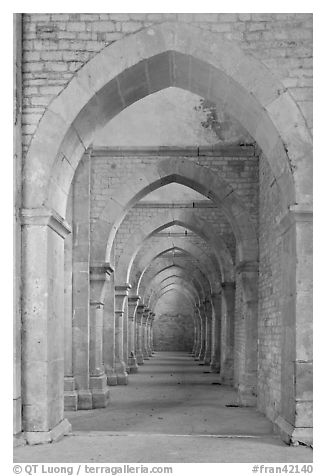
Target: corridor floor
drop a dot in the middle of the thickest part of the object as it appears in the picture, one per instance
(173, 410)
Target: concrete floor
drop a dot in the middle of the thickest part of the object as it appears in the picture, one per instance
(171, 411)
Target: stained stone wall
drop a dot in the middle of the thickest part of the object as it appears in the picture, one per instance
(270, 326)
(57, 45)
(173, 326)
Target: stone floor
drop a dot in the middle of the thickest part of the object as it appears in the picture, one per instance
(171, 411)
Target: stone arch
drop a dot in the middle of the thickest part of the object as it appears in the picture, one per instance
(177, 286)
(150, 60)
(197, 274)
(170, 55)
(165, 276)
(163, 220)
(183, 171)
(203, 261)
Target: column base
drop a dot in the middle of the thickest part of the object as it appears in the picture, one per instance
(215, 367)
(140, 359)
(100, 391)
(19, 440)
(133, 367)
(70, 396)
(246, 397)
(227, 372)
(292, 435)
(70, 401)
(40, 437)
(85, 400)
(122, 378)
(146, 355)
(111, 378)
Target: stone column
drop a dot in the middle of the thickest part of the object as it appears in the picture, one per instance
(99, 276)
(132, 306)
(121, 294)
(295, 235)
(144, 330)
(81, 282)
(150, 333)
(109, 334)
(247, 388)
(43, 233)
(139, 334)
(199, 333)
(126, 335)
(70, 393)
(227, 332)
(193, 350)
(208, 340)
(17, 163)
(216, 349)
(203, 333)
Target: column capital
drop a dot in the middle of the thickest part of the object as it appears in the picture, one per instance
(226, 285)
(100, 271)
(132, 305)
(299, 213)
(121, 293)
(134, 298)
(216, 294)
(45, 217)
(246, 267)
(122, 289)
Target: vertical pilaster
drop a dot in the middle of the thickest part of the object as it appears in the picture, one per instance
(227, 332)
(99, 278)
(208, 340)
(43, 234)
(139, 334)
(132, 306)
(199, 333)
(121, 294)
(17, 162)
(81, 282)
(144, 330)
(150, 333)
(109, 334)
(247, 388)
(203, 333)
(295, 421)
(70, 393)
(216, 348)
(192, 353)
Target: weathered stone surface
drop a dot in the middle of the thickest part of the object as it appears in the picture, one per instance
(244, 151)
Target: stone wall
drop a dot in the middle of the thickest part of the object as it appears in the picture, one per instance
(56, 46)
(173, 326)
(239, 169)
(270, 295)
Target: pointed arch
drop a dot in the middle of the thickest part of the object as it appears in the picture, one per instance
(152, 59)
(164, 220)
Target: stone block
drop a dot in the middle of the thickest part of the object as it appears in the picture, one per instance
(84, 400)
(122, 379)
(159, 71)
(133, 84)
(304, 380)
(100, 398)
(304, 414)
(70, 401)
(55, 434)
